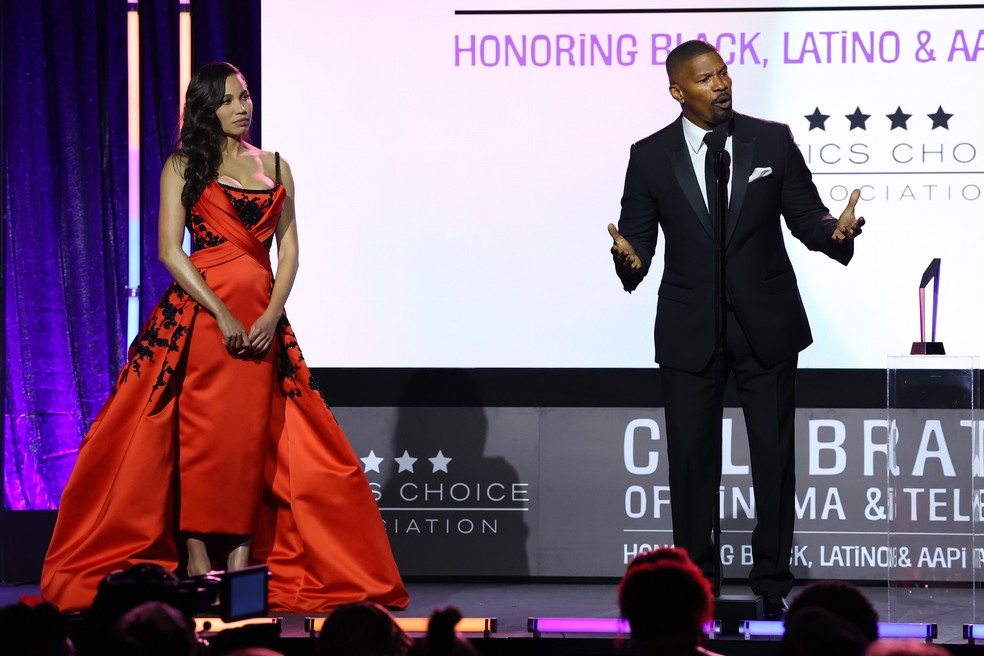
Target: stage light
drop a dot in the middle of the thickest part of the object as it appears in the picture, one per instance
(184, 50)
(465, 624)
(483, 625)
(973, 632)
(611, 625)
(215, 624)
(888, 630)
(184, 77)
(133, 169)
(538, 625)
(910, 630)
(763, 629)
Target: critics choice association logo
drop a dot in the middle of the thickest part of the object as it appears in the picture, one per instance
(911, 154)
(439, 494)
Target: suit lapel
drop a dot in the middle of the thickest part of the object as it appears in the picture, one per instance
(683, 168)
(743, 146)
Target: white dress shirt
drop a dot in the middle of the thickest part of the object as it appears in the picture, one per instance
(694, 136)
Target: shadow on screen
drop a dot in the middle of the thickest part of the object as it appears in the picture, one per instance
(459, 517)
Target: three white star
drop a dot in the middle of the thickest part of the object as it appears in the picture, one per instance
(372, 462)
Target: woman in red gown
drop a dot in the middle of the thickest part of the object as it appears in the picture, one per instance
(215, 438)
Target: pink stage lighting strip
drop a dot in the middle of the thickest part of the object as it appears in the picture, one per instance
(538, 625)
(483, 625)
(918, 631)
(133, 168)
(184, 76)
(576, 625)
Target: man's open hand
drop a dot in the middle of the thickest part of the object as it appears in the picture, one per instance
(625, 256)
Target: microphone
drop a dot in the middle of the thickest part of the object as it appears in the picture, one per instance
(717, 138)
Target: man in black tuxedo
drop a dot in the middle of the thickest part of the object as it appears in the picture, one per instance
(737, 311)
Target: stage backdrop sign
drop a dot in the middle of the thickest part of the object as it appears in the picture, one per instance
(457, 163)
(577, 492)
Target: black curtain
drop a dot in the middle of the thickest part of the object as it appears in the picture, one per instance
(65, 256)
(230, 31)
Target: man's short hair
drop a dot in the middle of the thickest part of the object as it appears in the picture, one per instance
(665, 597)
(829, 617)
(841, 598)
(684, 53)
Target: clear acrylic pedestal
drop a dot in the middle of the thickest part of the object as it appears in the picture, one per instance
(932, 505)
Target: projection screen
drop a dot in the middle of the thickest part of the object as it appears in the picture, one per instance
(457, 163)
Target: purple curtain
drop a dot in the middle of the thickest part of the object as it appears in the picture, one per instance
(65, 208)
(65, 252)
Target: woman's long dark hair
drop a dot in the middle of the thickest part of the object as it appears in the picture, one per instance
(201, 138)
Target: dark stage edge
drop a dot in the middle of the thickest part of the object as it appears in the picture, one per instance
(513, 603)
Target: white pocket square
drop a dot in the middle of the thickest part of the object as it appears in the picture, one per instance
(760, 172)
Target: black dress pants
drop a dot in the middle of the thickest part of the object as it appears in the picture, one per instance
(694, 412)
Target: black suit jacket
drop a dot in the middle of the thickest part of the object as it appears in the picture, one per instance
(661, 190)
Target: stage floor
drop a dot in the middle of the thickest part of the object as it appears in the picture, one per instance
(513, 603)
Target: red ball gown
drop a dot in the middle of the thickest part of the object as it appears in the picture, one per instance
(196, 439)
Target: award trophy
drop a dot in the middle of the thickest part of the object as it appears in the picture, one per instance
(922, 347)
(931, 394)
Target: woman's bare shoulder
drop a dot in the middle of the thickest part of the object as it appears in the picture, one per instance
(177, 162)
(269, 159)
(173, 171)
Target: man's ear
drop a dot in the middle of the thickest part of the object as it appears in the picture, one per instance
(676, 93)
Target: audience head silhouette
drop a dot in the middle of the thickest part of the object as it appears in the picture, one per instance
(153, 629)
(667, 601)
(34, 631)
(441, 638)
(905, 648)
(362, 628)
(829, 617)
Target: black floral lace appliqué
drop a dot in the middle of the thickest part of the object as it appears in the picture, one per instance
(250, 208)
(288, 358)
(162, 334)
(202, 237)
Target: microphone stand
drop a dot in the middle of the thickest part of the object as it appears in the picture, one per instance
(720, 192)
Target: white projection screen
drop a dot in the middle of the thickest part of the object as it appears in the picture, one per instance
(457, 162)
